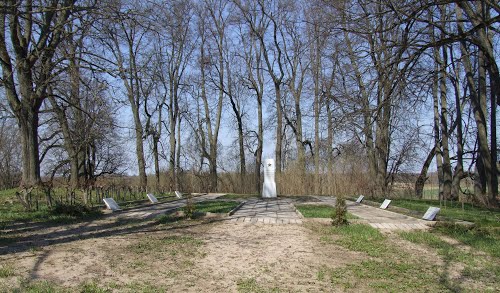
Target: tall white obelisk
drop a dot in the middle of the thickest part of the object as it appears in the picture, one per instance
(269, 187)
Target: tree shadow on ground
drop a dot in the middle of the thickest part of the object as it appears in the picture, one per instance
(105, 226)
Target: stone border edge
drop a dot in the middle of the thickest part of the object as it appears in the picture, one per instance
(231, 212)
(298, 212)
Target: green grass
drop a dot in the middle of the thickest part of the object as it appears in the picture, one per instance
(185, 245)
(477, 266)
(363, 238)
(484, 236)
(6, 271)
(486, 240)
(221, 207)
(356, 237)
(319, 211)
(92, 287)
(385, 275)
(237, 196)
(40, 286)
(395, 268)
(387, 267)
(250, 285)
(11, 209)
(481, 216)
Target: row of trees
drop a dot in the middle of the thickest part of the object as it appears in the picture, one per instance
(388, 80)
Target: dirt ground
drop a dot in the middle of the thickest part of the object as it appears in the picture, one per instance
(215, 255)
(209, 255)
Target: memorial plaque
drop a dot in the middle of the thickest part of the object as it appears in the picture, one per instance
(152, 198)
(431, 213)
(178, 194)
(269, 186)
(360, 199)
(385, 204)
(111, 204)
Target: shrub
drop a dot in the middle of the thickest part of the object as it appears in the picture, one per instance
(73, 210)
(190, 208)
(339, 217)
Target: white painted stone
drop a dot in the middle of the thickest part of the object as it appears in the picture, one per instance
(360, 199)
(111, 204)
(431, 213)
(269, 186)
(152, 198)
(178, 194)
(385, 204)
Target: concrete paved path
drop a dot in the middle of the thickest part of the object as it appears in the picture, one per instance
(267, 211)
(378, 218)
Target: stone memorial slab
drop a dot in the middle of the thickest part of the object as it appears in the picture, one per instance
(178, 194)
(111, 204)
(385, 204)
(152, 198)
(269, 186)
(431, 213)
(360, 199)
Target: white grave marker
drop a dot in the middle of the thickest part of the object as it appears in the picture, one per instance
(269, 186)
(360, 199)
(431, 213)
(111, 204)
(385, 204)
(178, 194)
(152, 198)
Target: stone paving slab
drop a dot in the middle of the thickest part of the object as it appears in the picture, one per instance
(268, 212)
(379, 218)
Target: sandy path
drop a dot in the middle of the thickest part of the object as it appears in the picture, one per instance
(287, 257)
(231, 255)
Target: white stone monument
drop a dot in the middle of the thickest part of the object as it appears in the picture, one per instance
(431, 213)
(152, 198)
(111, 204)
(385, 204)
(269, 187)
(360, 199)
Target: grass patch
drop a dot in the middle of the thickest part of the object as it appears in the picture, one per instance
(451, 209)
(250, 286)
(477, 267)
(183, 245)
(238, 196)
(356, 237)
(484, 236)
(41, 286)
(319, 211)
(386, 275)
(486, 240)
(6, 271)
(426, 238)
(221, 207)
(93, 287)
(361, 238)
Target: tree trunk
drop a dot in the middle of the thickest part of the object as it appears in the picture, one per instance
(139, 147)
(258, 155)
(27, 119)
(459, 169)
(279, 129)
(367, 119)
(171, 161)
(436, 124)
(156, 160)
(447, 175)
(422, 177)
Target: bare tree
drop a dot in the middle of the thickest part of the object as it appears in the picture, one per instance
(125, 35)
(35, 30)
